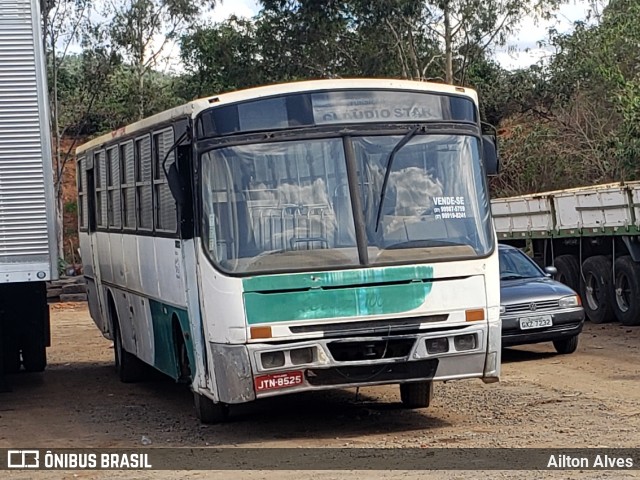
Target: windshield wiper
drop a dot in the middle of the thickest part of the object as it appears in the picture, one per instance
(424, 243)
(403, 141)
(512, 277)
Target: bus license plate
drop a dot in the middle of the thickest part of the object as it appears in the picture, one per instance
(536, 322)
(278, 380)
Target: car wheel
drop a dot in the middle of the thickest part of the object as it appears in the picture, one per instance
(568, 271)
(627, 291)
(566, 345)
(597, 289)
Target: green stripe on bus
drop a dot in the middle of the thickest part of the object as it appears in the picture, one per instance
(165, 348)
(319, 303)
(360, 277)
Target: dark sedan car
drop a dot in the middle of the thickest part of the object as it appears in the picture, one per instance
(534, 307)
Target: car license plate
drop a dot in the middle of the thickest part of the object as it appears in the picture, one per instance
(536, 322)
(278, 380)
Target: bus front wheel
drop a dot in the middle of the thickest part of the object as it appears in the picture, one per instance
(209, 411)
(416, 394)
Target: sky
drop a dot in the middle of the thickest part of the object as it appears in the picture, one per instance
(521, 50)
(524, 43)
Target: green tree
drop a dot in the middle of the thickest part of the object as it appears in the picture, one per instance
(140, 31)
(221, 57)
(63, 24)
(581, 124)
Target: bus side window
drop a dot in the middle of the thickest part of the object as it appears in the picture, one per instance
(164, 203)
(113, 188)
(82, 193)
(101, 189)
(144, 196)
(127, 185)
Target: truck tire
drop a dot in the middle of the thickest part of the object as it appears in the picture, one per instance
(34, 343)
(11, 358)
(208, 411)
(597, 289)
(34, 356)
(566, 345)
(416, 394)
(568, 271)
(627, 291)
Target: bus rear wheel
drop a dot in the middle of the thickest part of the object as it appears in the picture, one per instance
(208, 411)
(416, 394)
(129, 367)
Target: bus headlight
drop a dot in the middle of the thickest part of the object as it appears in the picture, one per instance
(569, 302)
(437, 345)
(301, 355)
(464, 342)
(272, 359)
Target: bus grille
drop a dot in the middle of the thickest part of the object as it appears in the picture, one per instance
(371, 349)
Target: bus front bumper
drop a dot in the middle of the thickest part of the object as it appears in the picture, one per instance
(246, 372)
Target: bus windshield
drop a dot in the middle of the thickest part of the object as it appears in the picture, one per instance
(287, 205)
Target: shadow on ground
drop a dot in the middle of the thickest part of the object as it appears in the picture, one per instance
(90, 396)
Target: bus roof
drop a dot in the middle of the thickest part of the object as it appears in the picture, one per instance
(191, 109)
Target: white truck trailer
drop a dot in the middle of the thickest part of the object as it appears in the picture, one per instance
(590, 234)
(28, 253)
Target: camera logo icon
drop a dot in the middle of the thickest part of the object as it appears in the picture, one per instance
(23, 459)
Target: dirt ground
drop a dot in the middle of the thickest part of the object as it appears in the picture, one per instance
(588, 399)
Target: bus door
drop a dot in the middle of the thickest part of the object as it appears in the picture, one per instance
(92, 264)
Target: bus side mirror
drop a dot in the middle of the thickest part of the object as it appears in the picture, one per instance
(490, 155)
(175, 185)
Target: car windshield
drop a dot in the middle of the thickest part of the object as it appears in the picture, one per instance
(288, 205)
(515, 264)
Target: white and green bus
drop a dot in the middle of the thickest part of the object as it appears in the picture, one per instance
(295, 237)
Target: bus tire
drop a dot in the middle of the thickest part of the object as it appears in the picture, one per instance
(627, 291)
(129, 367)
(597, 289)
(568, 271)
(416, 394)
(566, 345)
(208, 411)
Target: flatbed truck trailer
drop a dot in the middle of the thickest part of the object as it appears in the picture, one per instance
(590, 234)
(28, 251)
